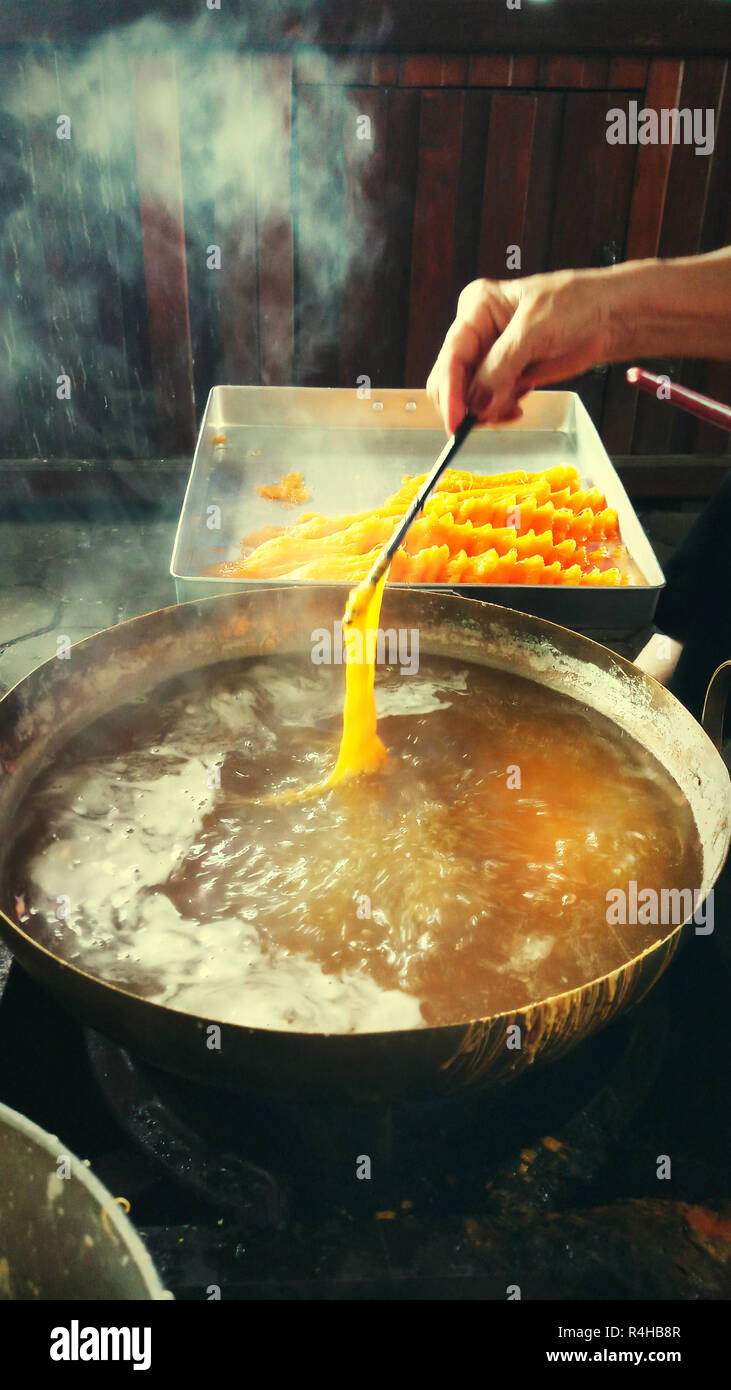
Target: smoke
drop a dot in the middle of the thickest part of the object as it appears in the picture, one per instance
(93, 361)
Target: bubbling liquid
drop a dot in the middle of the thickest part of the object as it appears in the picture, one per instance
(469, 877)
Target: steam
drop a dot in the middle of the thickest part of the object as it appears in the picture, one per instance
(72, 271)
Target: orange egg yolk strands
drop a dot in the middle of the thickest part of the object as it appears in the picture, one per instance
(361, 749)
(507, 528)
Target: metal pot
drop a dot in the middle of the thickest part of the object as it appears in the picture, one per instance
(59, 698)
(62, 1235)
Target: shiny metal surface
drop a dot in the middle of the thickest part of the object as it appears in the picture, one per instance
(61, 697)
(62, 1234)
(354, 450)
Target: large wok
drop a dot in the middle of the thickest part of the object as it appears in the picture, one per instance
(61, 697)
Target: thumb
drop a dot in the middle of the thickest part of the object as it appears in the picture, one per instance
(495, 385)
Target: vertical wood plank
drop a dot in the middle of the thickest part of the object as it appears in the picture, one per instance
(543, 178)
(320, 249)
(432, 304)
(236, 218)
(689, 174)
(652, 170)
(31, 412)
(653, 419)
(47, 301)
(362, 315)
(275, 258)
(653, 164)
(594, 181)
(715, 377)
(111, 261)
(597, 177)
(506, 181)
(470, 187)
(685, 208)
(71, 264)
(71, 245)
(715, 231)
(715, 381)
(400, 197)
(122, 204)
(163, 241)
(203, 216)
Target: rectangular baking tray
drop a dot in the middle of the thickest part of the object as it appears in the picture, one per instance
(353, 450)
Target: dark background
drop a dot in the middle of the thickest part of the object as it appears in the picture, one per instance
(339, 257)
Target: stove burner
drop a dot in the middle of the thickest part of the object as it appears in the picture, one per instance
(551, 1185)
(258, 1159)
(190, 1133)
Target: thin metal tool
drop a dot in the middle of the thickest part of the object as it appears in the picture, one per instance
(360, 596)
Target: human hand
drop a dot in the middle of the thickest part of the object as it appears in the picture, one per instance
(511, 335)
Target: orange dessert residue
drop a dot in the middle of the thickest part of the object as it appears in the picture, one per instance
(291, 490)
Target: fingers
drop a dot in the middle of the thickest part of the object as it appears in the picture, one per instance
(452, 372)
(499, 382)
(470, 337)
(510, 336)
(560, 368)
(455, 374)
(514, 413)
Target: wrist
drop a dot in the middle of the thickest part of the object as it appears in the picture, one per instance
(671, 308)
(633, 293)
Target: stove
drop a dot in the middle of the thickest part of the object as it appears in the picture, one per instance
(602, 1176)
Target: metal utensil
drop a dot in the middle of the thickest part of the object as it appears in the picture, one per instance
(360, 596)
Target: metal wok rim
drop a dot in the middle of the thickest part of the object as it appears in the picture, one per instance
(520, 1009)
(612, 978)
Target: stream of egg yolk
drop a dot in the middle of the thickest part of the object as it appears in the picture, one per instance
(361, 749)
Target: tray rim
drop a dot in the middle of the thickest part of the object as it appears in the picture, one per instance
(312, 399)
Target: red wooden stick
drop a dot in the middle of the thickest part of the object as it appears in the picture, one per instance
(665, 390)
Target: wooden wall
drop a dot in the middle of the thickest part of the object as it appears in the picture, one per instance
(104, 270)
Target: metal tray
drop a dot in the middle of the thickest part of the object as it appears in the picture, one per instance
(353, 452)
